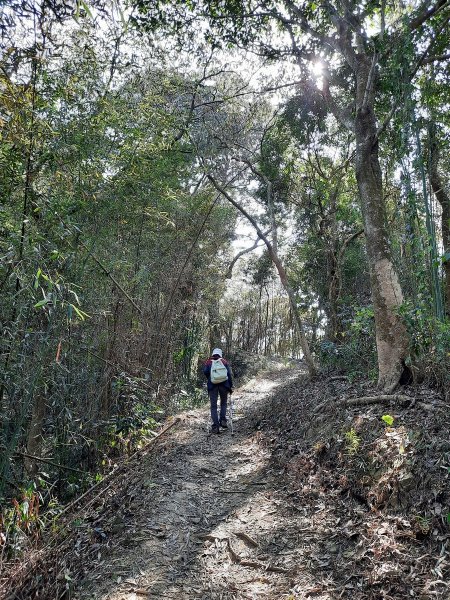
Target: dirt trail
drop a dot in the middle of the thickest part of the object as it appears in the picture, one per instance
(203, 518)
(309, 499)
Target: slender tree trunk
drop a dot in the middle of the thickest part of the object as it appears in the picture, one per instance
(34, 440)
(330, 236)
(444, 200)
(333, 325)
(312, 369)
(335, 285)
(214, 320)
(266, 325)
(391, 336)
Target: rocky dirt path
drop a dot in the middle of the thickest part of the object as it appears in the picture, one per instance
(203, 517)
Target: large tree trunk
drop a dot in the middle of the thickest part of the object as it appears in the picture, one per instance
(391, 336)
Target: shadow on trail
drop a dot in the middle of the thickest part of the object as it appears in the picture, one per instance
(213, 517)
(215, 520)
(197, 494)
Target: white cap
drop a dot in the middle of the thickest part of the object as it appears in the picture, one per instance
(216, 351)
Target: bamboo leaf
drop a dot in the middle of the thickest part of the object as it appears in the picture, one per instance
(43, 302)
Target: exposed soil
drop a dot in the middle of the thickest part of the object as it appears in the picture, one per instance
(292, 506)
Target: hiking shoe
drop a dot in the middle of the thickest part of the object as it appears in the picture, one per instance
(223, 423)
(215, 429)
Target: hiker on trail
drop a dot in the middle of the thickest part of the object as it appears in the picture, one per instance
(220, 383)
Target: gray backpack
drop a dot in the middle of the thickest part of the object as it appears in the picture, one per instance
(219, 372)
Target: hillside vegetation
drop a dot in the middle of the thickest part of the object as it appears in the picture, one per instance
(267, 178)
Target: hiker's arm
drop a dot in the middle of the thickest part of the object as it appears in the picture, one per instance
(206, 369)
(230, 375)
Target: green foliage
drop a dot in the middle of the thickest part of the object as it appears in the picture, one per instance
(21, 521)
(354, 354)
(136, 414)
(105, 294)
(305, 114)
(101, 281)
(261, 271)
(430, 342)
(352, 441)
(188, 397)
(226, 20)
(388, 419)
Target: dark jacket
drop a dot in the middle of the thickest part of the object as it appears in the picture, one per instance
(207, 371)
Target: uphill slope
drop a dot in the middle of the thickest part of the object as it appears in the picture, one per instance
(290, 507)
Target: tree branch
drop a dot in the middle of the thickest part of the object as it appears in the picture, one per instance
(306, 27)
(370, 79)
(111, 276)
(229, 272)
(437, 58)
(341, 253)
(402, 398)
(425, 12)
(50, 462)
(242, 210)
(281, 272)
(269, 186)
(422, 60)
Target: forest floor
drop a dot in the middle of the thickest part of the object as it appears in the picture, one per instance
(310, 498)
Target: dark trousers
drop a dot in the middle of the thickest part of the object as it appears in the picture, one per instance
(222, 390)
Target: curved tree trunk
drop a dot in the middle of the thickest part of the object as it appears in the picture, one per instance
(312, 369)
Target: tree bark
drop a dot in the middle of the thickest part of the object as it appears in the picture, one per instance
(34, 440)
(391, 335)
(335, 285)
(214, 323)
(444, 200)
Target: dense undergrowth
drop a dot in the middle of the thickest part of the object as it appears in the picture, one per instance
(372, 479)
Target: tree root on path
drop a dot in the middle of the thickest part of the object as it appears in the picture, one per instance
(401, 399)
(246, 538)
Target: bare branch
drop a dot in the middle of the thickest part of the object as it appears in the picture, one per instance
(269, 187)
(241, 209)
(399, 398)
(425, 12)
(111, 276)
(437, 58)
(281, 272)
(49, 462)
(229, 272)
(370, 80)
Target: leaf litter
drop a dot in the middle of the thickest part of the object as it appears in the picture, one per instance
(291, 507)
